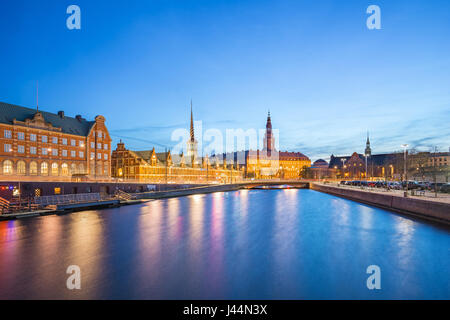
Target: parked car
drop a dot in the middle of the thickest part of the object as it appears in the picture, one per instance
(412, 185)
(380, 184)
(423, 185)
(434, 185)
(445, 188)
(397, 185)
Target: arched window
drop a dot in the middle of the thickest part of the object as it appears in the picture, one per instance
(54, 169)
(44, 168)
(33, 168)
(64, 169)
(73, 168)
(81, 168)
(7, 167)
(21, 168)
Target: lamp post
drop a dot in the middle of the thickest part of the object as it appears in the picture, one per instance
(167, 156)
(405, 176)
(343, 173)
(366, 155)
(434, 172)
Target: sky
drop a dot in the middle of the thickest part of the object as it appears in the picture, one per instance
(325, 77)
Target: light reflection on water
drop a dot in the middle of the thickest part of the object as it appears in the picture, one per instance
(274, 244)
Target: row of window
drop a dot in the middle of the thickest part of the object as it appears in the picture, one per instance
(99, 156)
(54, 152)
(45, 151)
(44, 139)
(99, 145)
(440, 159)
(45, 169)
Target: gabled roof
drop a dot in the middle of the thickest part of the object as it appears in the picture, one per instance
(381, 159)
(337, 161)
(79, 127)
(146, 155)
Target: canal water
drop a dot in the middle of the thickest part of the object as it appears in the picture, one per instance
(274, 244)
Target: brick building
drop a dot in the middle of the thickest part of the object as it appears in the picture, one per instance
(158, 167)
(39, 145)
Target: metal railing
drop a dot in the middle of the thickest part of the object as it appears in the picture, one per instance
(4, 205)
(67, 199)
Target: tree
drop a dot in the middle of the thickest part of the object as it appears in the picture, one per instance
(419, 164)
(306, 172)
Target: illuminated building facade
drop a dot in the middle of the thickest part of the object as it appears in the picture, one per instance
(150, 166)
(390, 166)
(39, 145)
(270, 163)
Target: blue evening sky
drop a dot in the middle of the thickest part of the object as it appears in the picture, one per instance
(325, 77)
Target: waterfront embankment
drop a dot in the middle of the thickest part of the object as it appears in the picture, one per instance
(430, 209)
(69, 208)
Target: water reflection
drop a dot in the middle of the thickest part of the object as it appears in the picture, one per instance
(258, 244)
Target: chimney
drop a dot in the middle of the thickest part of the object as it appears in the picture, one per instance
(78, 117)
(61, 114)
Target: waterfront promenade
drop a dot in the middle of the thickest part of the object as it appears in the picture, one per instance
(423, 206)
(425, 195)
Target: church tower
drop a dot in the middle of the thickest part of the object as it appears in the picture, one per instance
(269, 141)
(192, 143)
(368, 151)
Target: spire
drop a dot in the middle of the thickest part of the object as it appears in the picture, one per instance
(268, 138)
(37, 96)
(368, 151)
(192, 124)
(269, 121)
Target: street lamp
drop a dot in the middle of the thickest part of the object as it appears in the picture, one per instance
(366, 155)
(343, 173)
(405, 177)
